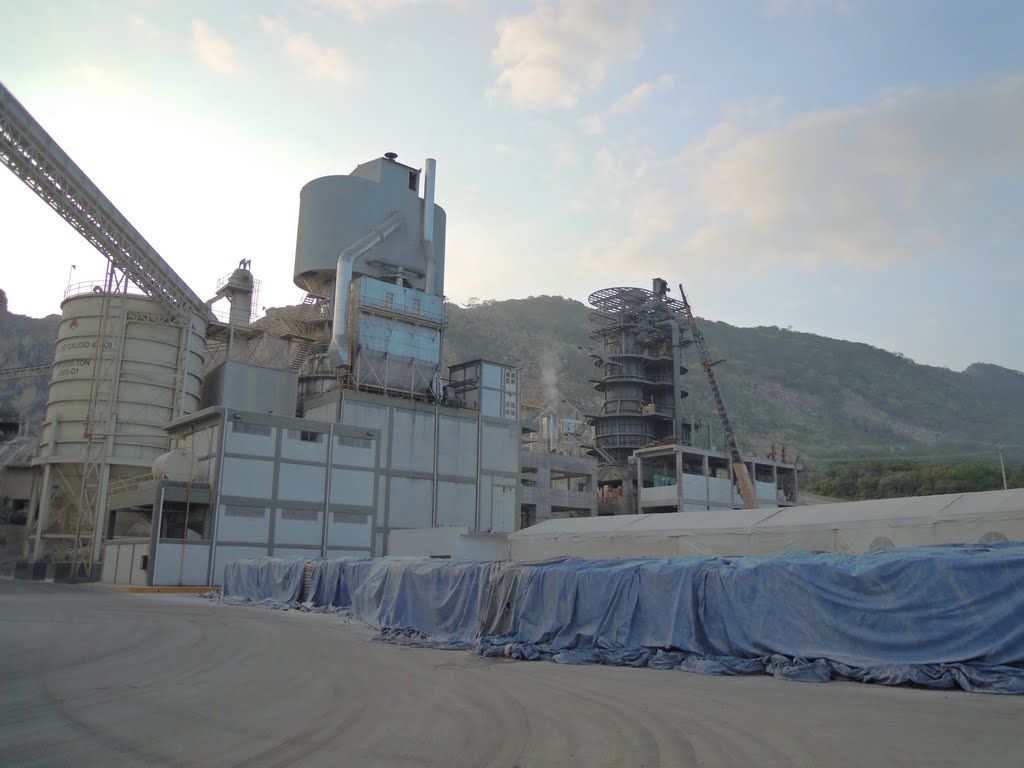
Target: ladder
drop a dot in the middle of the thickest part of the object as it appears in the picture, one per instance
(739, 467)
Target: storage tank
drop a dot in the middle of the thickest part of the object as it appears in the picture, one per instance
(133, 359)
(138, 373)
(337, 211)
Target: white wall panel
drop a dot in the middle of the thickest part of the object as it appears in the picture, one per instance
(247, 477)
(409, 503)
(352, 486)
(456, 503)
(413, 436)
(243, 526)
(242, 439)
(300, 482)
(313, 448)
(457, 442)
(501, 447)
(306, 530)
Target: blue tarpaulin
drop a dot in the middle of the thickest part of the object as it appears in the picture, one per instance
(940, 617)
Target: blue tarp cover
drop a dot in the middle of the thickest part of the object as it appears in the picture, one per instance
(941, 617)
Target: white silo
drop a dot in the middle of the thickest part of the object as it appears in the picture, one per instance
(123, 367)
(370, 250)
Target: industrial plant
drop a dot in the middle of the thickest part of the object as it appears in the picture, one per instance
(181, 433)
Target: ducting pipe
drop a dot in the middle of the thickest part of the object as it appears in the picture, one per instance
(429, 173)
(337, 352)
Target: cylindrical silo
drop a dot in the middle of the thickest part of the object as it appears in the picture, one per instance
(123, 367)
(337, 211)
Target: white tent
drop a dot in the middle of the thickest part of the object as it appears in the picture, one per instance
(852, 527)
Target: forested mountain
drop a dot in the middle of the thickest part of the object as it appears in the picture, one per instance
(820, 397)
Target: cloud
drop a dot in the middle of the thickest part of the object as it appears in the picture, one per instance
(551, 56)
(592, 125)
(914, 177)
(636, 98)
(317, 62)
(361, 10)
(213, 50)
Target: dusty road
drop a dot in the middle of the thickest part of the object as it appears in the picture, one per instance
(96, 678)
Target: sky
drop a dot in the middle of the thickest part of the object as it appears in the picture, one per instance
(848, 168)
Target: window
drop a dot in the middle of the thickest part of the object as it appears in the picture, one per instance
(250, 429)
(346, 441)
(305, 436)
(510, 377)
(301, 515)
(348, 517)
(234, 510)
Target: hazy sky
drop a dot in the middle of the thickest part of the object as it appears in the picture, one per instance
(854, 169)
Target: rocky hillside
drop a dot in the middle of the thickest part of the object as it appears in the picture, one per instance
(25, 341)
(819, 396)
(823, 397)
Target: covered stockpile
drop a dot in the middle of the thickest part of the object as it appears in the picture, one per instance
(939, 617)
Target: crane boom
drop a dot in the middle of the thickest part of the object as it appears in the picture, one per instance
(35, 158)
(739, 468)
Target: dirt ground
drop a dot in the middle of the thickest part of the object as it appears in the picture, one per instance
(93, 677)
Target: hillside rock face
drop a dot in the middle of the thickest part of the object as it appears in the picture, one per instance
(818, 396)
(822, 397)
(25, 341)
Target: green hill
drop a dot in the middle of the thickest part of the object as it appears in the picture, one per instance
(822, 397)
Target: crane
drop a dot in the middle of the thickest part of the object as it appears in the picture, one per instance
(739, 468)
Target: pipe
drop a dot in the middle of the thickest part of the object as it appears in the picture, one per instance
(338, 350)
(429, 174)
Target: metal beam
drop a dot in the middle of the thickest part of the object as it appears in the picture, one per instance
(35, 158)
(25, 373)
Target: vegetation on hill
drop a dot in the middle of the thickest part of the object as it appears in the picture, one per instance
(888, 480)
(820, 397)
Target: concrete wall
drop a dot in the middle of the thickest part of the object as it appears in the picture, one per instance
(550, 484)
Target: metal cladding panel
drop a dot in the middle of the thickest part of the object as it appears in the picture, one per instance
(336, 211)
(349, 534)
(300, 482)
(456, 503)
(720, 490)
(352, 487)
(304, 446)
(251, 388)
(247, 478)
(500, 448)
(175, 567)
(394, 337)
(298, 527)
(353, 451)
(413, 436)
(457, 446)
(238, 522)
(251, 439)
(130, 357)
(409, 502)
(368, 415)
